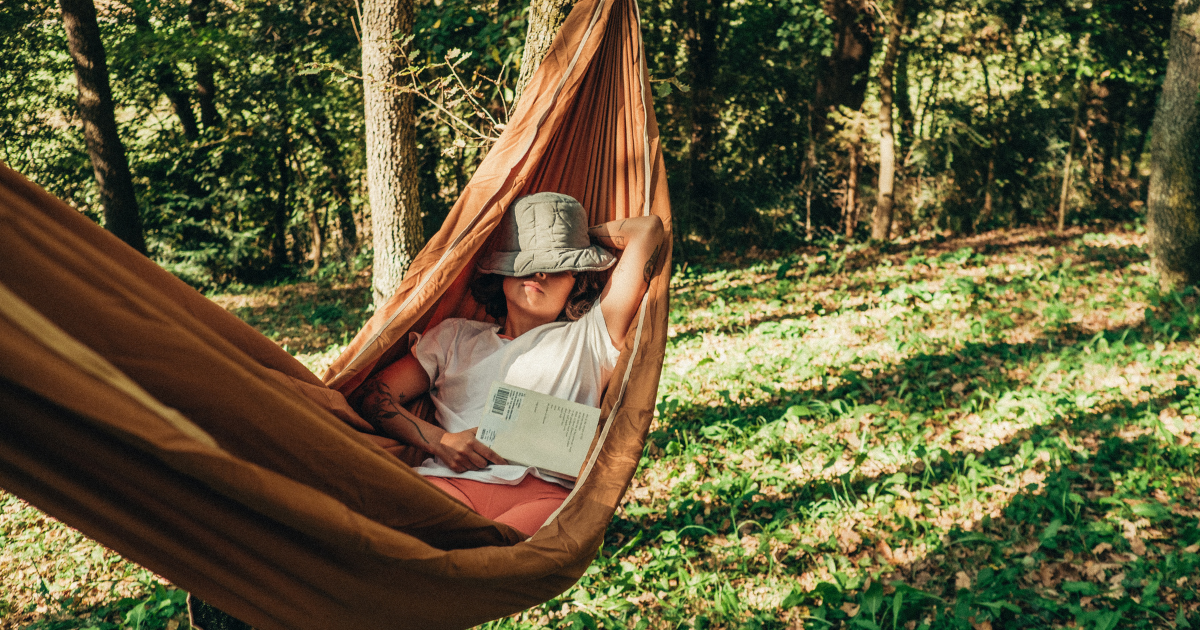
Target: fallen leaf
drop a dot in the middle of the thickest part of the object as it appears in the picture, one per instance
(982, 625)
(886, 551)
(962, 580)
(1101, 548)
(850, 609)
(1137, 546)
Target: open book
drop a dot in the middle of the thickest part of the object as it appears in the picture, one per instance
(548, 433)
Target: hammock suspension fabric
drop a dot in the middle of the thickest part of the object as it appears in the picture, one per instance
(151, 419)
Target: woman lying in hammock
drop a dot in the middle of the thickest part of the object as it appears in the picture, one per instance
(560, 334)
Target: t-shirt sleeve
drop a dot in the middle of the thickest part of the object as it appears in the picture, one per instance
(598, 338)
(432, 351)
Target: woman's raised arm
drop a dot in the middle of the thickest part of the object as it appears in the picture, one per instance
(641, 240)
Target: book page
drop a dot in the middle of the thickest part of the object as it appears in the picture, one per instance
(537, 430)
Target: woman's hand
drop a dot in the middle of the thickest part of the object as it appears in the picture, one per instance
(462, 451)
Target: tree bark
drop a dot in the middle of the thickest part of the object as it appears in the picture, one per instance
(392, 166)
(851, 207)
(206, 89)
(904, 103)
(109, 163)
(1066, 179)
(881, 224)
(164, 77)
(545, 18)
(702, 20)
(842, 77)
(332, 159)
(1174, 195)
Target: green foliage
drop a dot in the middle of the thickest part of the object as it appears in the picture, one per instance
(986, 96)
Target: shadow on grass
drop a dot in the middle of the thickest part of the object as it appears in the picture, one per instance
(304, 317)
(1060, 551)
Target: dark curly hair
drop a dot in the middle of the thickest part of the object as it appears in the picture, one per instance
(488, 291)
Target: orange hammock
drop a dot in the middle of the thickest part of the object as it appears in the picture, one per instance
(154, 421)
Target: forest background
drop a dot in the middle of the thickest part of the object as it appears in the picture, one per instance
(987, 417)
(243, 122)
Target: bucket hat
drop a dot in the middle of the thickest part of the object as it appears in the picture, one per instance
(545, 232)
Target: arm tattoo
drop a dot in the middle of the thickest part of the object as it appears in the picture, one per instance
(651, 262)
(378, 405)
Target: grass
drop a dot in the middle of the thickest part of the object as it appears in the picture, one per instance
(992, 432)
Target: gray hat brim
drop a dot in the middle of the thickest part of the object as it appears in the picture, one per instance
(527, 263)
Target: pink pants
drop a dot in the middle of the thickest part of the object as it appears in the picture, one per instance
(525, 506)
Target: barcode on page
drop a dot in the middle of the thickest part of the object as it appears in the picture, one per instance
(500, 401)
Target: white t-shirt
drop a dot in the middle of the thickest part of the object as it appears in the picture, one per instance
(569, 360)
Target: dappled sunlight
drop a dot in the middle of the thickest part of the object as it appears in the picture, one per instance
(999, 430)
(934, 418)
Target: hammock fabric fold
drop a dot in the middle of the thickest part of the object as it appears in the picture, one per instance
(138, 411)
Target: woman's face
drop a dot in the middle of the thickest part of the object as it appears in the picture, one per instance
(541, 295)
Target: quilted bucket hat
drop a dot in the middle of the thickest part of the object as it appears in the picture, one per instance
(544, 232)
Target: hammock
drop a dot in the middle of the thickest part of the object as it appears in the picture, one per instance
(136, 410)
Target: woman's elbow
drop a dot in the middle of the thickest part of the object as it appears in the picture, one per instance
(653, 229)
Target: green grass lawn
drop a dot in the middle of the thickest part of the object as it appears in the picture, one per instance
(993, 432)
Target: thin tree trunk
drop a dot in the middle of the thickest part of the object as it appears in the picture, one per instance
(703, 18)
(851, 209)
(279, 223)
(934, 84)
(163, 74)
(109, 163)
(545, 18)
(985, 215)
(903, 102)
(881, 224)
(318, 238)
(1066, 179)
(392, 167)
(206, 89)
(1174, 195)
(810, 175)
(331, 158)
(842, 76)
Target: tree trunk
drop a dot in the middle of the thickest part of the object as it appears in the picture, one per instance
(545, 18)
(842, 77)
(702, 19)
(391, 144)
(206, 89)
(111, 167)
(332, 159)
(851, 208)
(810, 176)
(317, 232)
(881, 224)
(923, 130)
(279, 222)
(985, 215)
(1066, 180)
(1174, 195)
(163, 74)
(904, 103)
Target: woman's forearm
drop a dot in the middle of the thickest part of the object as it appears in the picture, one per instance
(385, 411)
(622, 233)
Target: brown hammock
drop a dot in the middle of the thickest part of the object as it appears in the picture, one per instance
(143, 414)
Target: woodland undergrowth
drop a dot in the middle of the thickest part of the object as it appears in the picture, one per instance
(988, 432)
